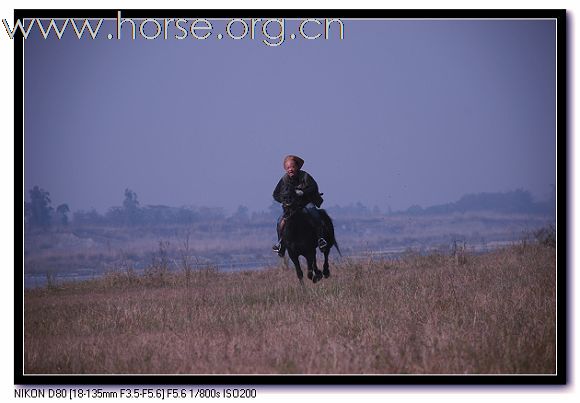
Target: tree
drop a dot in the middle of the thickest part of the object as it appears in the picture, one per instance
(274, 209)
(415, 209)
(115, 216)
(62, 211)
(27, 212)
(39, 208)
(90, 217)
(241, 214)
(130, 203)
(131, 207)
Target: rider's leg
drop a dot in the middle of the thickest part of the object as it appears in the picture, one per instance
(279, 247)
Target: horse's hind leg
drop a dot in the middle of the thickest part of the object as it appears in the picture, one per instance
(326, 271)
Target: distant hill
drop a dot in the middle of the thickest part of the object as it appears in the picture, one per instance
(516, 201)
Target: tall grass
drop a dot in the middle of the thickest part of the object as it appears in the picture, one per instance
(435, 314)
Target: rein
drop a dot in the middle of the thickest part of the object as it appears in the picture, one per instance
(290, 211)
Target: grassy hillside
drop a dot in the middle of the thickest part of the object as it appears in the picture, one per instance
(475, 314)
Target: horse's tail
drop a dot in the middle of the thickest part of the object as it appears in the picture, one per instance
(337, 248)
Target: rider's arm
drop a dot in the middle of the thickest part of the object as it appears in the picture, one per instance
(278, 192)
(310, 187)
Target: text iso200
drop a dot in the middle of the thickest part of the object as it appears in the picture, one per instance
(240, 393)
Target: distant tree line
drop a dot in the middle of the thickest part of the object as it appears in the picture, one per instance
(39, 213)
(132, 214)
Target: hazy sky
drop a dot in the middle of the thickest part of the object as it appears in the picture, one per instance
(396, 113)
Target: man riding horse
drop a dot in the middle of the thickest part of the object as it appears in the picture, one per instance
(306, 195)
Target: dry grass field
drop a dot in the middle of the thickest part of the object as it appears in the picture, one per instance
(492, 313)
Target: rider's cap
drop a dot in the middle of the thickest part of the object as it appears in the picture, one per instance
(299, 161)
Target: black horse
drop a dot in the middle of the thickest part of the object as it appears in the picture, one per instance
(301, 238)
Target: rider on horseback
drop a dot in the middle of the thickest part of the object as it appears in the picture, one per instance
(305, 189)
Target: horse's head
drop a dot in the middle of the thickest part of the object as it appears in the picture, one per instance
(297, 226)
(289, 200)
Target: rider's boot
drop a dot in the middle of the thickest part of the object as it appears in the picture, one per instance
(318, 224)
(279, 248)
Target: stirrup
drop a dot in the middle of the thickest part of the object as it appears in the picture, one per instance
(276, 248)
(322, 243)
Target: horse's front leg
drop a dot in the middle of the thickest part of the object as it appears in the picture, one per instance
(296, 261)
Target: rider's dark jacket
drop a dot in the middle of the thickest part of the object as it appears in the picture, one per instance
(303, 181)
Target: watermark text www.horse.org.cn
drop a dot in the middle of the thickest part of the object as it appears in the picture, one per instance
(272, 32)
